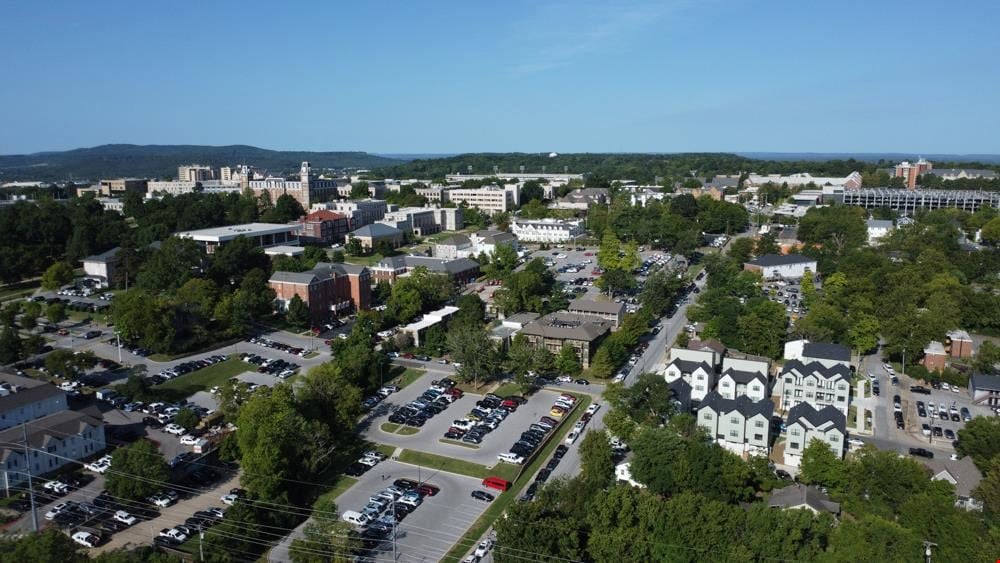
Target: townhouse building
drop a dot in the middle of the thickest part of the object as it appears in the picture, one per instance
(696, 367)
(807, 423)
(549, 231)
(740, 425)
(744, 378)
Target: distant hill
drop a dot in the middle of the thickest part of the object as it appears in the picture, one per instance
(157, 161)
(874, 157)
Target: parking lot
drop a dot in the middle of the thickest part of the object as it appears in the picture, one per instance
(429, 437)
(939, 427)
(429, 531)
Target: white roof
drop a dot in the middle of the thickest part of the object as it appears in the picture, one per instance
(431, 319)
(219, 234)
(286, 250)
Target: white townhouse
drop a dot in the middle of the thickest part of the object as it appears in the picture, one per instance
(815, 384)
(696, 367)
(806, 423)
(744, 378)
(740, 425)
(546, 230)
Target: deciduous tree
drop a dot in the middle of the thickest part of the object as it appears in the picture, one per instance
(139, 471)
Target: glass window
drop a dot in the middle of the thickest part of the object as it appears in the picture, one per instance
(833, 437)
(725, 384)
(758, 437)
(708, 416)
(788, 380)
(759, 424)
(733, 433)
(793, 445)
(734, 420)
(795, 431)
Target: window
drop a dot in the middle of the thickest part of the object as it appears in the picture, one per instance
(842, 387)
(755, 388)
(793, 445)
(798, 392)
(840, 398)
(699, 387)
(725, 384)
(700, 376)
(759, 424)
(810, 383)
(758, 437)
(809, 395)
(734, 433)
(788, 380)
(833, 438)
(707, 416)
(794, 431)
(734, 420)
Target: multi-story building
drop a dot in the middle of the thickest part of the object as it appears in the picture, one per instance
(263, 235)
(696, 367)
(744, 378)
(878, 229)
(555, 330)
(418, 329)
(421, 221)
(814, 383)
(581, 199)
(471, 246)
(328, 290)
(740, 425)
(324, 227)
(551, 231)
(180, 187)
(118, 187)
(908, 202)
(455, 246)
(195, 173)
(491, 199)
(607, 310)
(911, 171)
(806, 423)
(307, 190)
(56, 436)
(461, 270)
(359, 212)
(948, 174)
(23, 399)
(959, 344)
(851, 181)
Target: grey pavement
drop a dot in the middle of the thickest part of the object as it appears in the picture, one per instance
(85, 493)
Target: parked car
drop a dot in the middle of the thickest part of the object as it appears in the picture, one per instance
(86, 539)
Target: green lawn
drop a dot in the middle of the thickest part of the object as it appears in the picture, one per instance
(339, 487)
(508, 389)
(203, 379)
(408, 376)
(20, 289)
(458, 443)
(390, 427)
(363, 260)
(451, 465)
(499, 506)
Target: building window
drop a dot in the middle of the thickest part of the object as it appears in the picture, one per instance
(725, 384)
(733, 433)
(734, 420)
(794, 431)
(699, 387)
(840, 399)
(809, 383)
(755, 389)
(707, 416)
(788, 380)
(809, 395)
(833, 438)
(758, 437)
(759, 424)
(793, 445)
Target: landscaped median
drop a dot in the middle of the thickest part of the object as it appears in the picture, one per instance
(505, 471)
(402, 430)
(204, 379)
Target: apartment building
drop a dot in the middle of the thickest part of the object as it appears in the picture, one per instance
(911, 171)
(460, 270)
(195, 173)
(420, 221)
(23, 399)
(120, 186)
(695, 367)
(807, 423)
(328, 290)
(490, 199)
(555, 330)
(741, 425)
(324, 227)
(550, 231)
(814, 383)
(607, 310)
(471, 246)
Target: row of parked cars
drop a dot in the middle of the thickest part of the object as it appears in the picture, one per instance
(432, 402)
(364, 463)
(379, 396)
(184, 368)
(93, 521)
(487, 415)
(279, 368)
(386, 509)
(274, 345)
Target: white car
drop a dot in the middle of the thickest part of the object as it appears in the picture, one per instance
(86, 539)
(56, 510)
(174, 429)
(188, 440)
(229, 499)
(564, 379)
(161, 501)
(511, 458)
(174, 534)
(125, 518)
(99, 466)
(593, 408)
(369, 461)
(572, 436)
(483, 548)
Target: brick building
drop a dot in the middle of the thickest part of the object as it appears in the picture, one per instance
(328, 290)
(324, 227)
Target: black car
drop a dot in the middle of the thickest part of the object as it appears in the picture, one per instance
(552, 464)
(938, 432)
(921, 452)
(482, 495)
(955, 417)
(543, 475)
(163, 541)
(472, 438)
(405, 484)
(920, 389)
(397, 418)
(453, 435)
(561, 450)
(356, 469)
(417, 421)
(582, 382)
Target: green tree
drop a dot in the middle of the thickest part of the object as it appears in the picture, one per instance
(476, 353)
(988, 490)
(980, 438)
(863, 332)
(135, 388)
(741, 249)
(10, 345)
(808, 285)
(359, 190)
(298, 312)
(57, 275)
(597, 459)
(353, 246)
(435, 340)
(139, 471)
(327, 539)
(762, 328)
(659, 291)
(767, 244)
(987, 356)
(186, 418)
(55, 313)
(991, 231)
(271, 432)
(520, 355)
(821, 466)
(502, 262)
(48, 545)
(839, 227)
(872, 539)
(567, 361)
(614, 280)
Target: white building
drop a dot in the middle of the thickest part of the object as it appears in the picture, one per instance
(359, 212)
(744, 378)
(55, 440)
(741, 425)
(264, 235)
(878, 229)
(786, 266)
(623, 473)
(852, 180)
(546, 230)
(23, 399)
(805, 423)
(695, 367)
(491, 199)
(417, 329)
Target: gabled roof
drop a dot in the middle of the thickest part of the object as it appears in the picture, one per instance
(781, 260)
(439, 265)
(707, 346)
(818, 418)
(376, 230)
(962, 473)
(801, 495)
(104, 257)
(984, 382)
(43, 431)
(594, 306)
(826, 351)
(299, 278)
(324, 215)
(24, 391)
(838, 371)
(688, 366)
(746, 406)
(744, 377)
(455, 240)
(681, 390)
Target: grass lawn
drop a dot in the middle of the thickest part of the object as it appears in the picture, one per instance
(408, 376)
(339, 487)
(458, 443)
(363, 260)
(433, 461)
(203, 379)
(310, 355)
(390, 427)
(508, 389)
(20, 289)
(407, 431)
(499, 506)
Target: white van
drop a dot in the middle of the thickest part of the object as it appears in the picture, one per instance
(572, 436)
(511, 458)
(355, 518)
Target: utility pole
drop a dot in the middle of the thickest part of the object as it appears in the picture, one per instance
(201, 547)
(927, 550)
(31, 490)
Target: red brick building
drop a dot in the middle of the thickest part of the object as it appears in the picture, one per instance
(324, 227)
(328, 290)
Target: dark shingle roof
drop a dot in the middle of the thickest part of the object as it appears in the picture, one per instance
(838, 371)
(817, 418)
(455, 240)
(376, 230)
(594, 306)
(689, 366)
(439, 265)
(567, 326)
(742, 404)
(798, 495)
(24, 391)
(984, 382)
(781, 260)
(826, 351)
(744, 376)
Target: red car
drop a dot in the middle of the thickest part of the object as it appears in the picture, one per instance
(588, 253)
(407, 356)
(428, 490)
(455, 392)
(509, 404)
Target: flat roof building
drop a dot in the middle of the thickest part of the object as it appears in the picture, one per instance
(555, 330)
(909, 202)
(264, 235)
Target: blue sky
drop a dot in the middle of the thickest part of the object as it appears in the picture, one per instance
(440, 76)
